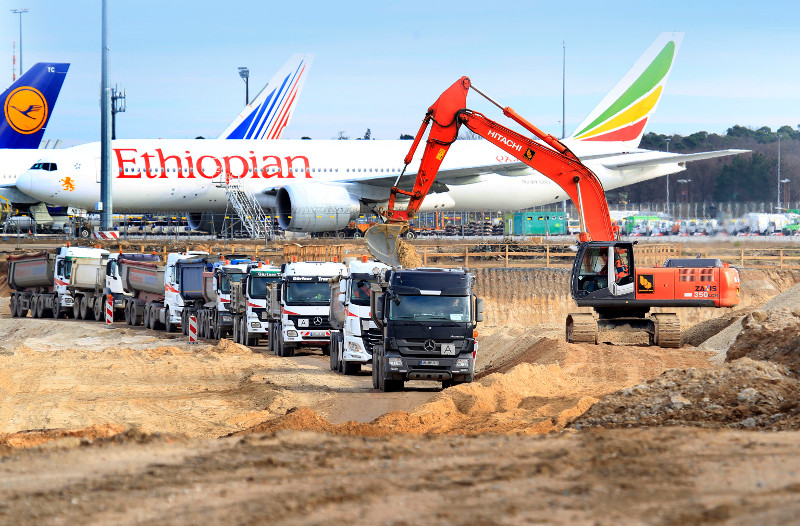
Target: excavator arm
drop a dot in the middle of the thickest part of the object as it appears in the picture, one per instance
(550, 157)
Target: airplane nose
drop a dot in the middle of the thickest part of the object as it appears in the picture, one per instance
(25, 182)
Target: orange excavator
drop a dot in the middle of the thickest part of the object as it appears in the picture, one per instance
(604, 274)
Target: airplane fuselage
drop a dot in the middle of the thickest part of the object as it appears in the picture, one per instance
(189, 175)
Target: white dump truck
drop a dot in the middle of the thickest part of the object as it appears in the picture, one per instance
(40, 281)
(304, 300)
(114, 282)
(87, 283)
(143, 284)
(354, 332)
(249, 303)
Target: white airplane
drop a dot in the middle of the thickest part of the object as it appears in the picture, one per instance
(319, 186)
(264, 118)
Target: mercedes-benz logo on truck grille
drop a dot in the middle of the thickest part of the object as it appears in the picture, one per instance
(429, 345)
(317, 321)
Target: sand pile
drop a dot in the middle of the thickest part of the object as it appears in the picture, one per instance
(741, 394)
(773, 336)
(536, 391)
(758, 387)
(529, 399)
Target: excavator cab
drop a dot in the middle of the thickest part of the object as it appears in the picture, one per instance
(603, 271)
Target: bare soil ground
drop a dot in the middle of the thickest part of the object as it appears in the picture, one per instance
(127, 425)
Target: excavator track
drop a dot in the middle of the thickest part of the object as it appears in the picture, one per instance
(666, 330)
(581, 328)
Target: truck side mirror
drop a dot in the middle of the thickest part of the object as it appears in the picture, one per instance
(478, 309)
(376, 308)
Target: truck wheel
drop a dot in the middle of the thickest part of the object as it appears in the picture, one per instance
(168, 326)
(235, 330)
(41, 311)
(333, 355)
(351, 368)
(34, 306)
(22, 311)
(13, 305)
(185, 323)
(76, 308)
(271, 338)
(218, 331)
(99, 308)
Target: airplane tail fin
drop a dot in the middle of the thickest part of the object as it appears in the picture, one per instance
(618, 122)
(28, 104)
(271, 110)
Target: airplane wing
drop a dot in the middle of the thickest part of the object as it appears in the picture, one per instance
(669, 158)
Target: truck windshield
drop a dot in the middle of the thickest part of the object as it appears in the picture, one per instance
(304, 293)
(258, 285)
(360, 293)
(225, 281)
(424, 308)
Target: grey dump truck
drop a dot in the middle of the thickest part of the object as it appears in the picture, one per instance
(428, 318)
(40, 281)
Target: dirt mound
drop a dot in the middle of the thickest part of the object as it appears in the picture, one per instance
(772, 336)
(38, 437)
(407, 255)
(741, 394)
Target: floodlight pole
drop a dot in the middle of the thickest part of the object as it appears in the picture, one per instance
(20, 12)
(106, 208)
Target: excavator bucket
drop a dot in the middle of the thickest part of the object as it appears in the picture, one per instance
(382, 241)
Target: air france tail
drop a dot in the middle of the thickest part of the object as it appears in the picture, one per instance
(618, 122)
(28, 104)
(270, 112)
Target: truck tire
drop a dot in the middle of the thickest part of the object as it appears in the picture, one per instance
(88, 308)
(14, 303)
(217, 330)
(334, 356)
(377, 351)
(41, 310)
(77, 309)
(99, 308)
(271, 338)
(35, 306)
(58, 312)
(185, 322)
(235, 329)
(168, 326)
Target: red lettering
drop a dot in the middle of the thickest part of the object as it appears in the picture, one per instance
(200, 166)
(189, 167)
(289, 161)
(276, 163)
(245, 166)
(253, 166)
(163, 161)
(121, 163)
(147, 157)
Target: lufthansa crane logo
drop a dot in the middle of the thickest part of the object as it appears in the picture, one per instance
(25, 109)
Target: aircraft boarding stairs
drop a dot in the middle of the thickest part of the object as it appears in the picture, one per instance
(246, 206)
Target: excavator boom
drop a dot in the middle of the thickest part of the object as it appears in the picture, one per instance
(548, 156)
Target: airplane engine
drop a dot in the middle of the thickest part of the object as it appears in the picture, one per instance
(204, 221)
(314, 207)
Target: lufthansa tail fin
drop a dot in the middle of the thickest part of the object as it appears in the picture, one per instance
(29, 103)
(271, 110)
(618, 122)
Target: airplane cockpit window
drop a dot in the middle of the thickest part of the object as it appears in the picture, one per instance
(37, 166)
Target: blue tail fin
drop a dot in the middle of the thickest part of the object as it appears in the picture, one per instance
(271, 110)
(28, 104)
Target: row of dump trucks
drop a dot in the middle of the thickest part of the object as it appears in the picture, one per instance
(405, 324)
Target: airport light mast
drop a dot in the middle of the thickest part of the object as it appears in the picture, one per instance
(105, 206)
(245, 74)
(20, 12)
